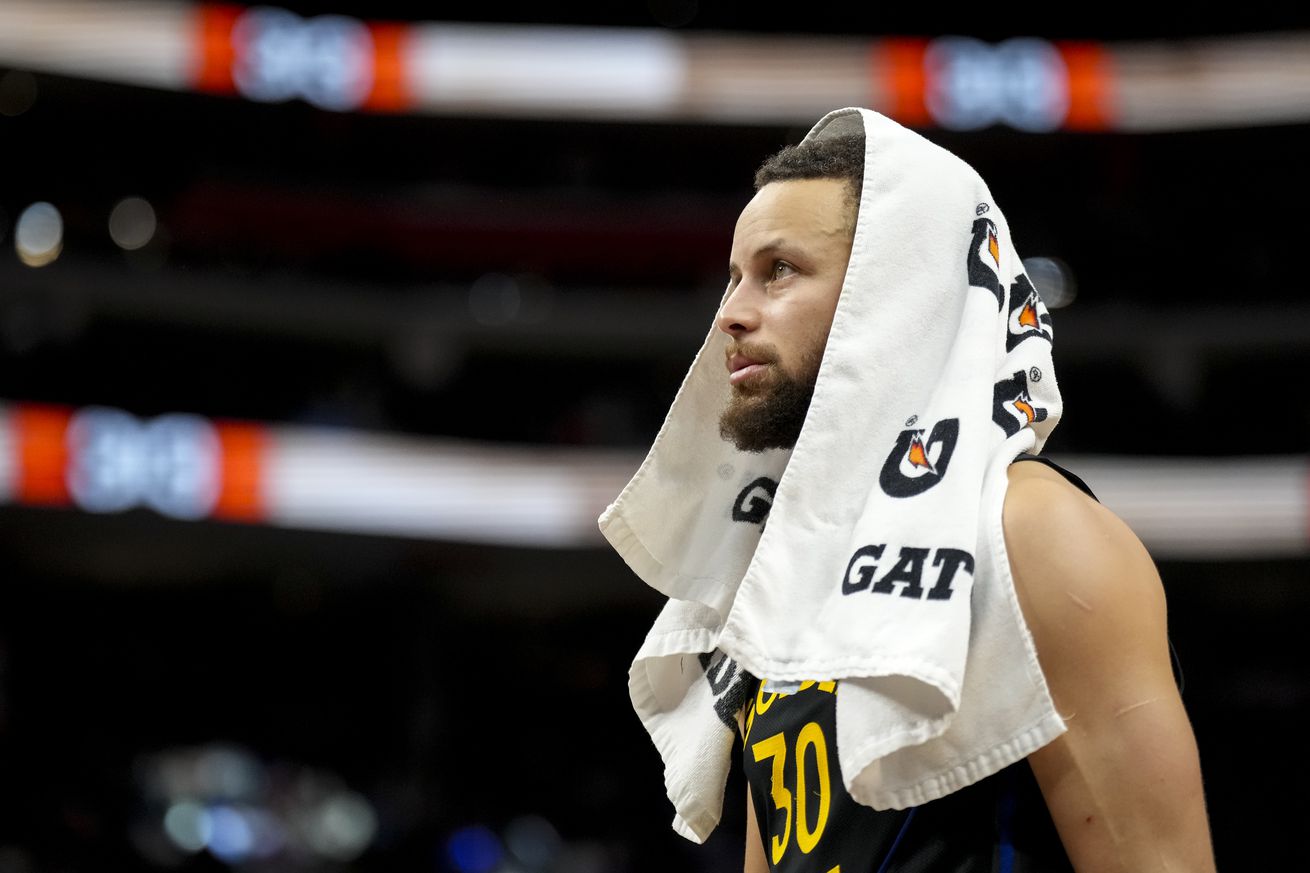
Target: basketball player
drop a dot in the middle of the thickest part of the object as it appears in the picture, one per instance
(940, 652)
(1120, 790)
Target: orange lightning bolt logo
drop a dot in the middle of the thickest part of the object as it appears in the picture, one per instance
(1028, 316)
(918, 455)
(1022, 404)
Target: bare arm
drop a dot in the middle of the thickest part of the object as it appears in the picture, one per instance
(1123, 784)
(755, 860)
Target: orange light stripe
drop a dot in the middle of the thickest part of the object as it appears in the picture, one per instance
(900, 63)
(214, 51)
(1090, 84)
(40, 435)
(390, 81)
(241, 471)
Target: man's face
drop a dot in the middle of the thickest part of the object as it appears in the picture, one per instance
(789, 256)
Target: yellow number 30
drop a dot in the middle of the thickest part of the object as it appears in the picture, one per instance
(775, 747)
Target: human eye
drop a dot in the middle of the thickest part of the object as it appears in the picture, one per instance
(781, 270)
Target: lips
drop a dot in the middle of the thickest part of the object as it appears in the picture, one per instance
(743, 367)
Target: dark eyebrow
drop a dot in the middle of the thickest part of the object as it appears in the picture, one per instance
(772, 245)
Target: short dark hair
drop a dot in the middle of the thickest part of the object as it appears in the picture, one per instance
(833, 157)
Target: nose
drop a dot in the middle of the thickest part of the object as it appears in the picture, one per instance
(740, 313)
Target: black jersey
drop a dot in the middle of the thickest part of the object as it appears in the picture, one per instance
(810, 824)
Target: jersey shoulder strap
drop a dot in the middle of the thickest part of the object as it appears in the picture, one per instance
(1073, 479)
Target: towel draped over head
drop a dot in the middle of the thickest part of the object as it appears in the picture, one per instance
(883, 563)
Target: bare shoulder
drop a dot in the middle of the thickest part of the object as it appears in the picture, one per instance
(1123, 782)
(1046, 515)
(1074, 559)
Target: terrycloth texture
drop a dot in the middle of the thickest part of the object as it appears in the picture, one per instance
(883, 563)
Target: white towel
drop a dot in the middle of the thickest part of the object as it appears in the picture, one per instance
(882, 563)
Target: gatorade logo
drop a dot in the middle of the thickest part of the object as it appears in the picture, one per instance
(984, 260)
(729, 686)
(1013, 408)
(917, 464)
(872, 568)
(1028, 315)
(755, 500)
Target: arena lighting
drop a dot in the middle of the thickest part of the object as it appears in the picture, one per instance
(549, 69)
(1053, 280)
(132, 223)
(326, 61)
(474, 849)
(342, 827)
(494, 299)
(342, 64)
(231, 837)
(533, 841)
(100, 459)
(1020, 82)
(223, 800)
(188, 467)
(39, 234)
(188, 826)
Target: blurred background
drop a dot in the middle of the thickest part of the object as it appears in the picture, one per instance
(328, 329)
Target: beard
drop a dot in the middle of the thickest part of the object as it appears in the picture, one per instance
(767, 410)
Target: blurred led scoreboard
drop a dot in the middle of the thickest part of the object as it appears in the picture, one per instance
(330, 61)
(101, 459)
(338, 63)
(187, 467)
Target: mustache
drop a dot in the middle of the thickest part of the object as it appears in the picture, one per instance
(763, 353)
